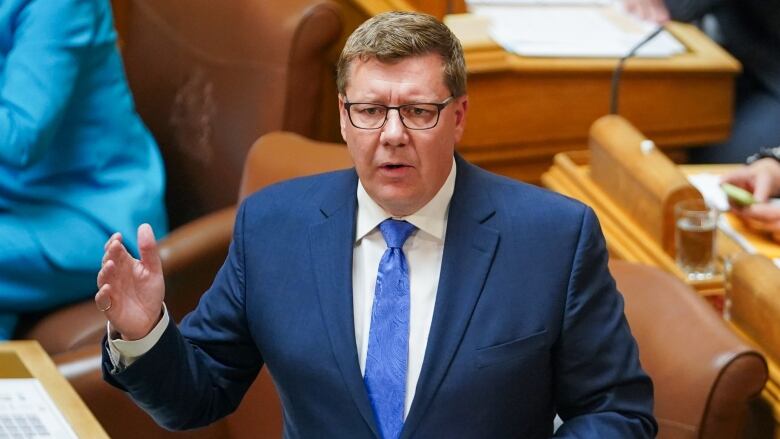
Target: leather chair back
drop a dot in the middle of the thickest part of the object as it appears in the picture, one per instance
(210, 77)
(280, 156)
(703, 374)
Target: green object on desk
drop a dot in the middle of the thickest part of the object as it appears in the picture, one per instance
(737, 195)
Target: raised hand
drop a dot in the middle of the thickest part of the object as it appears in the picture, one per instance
(131, 291)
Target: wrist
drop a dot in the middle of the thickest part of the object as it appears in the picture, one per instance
(135, 336)
(773, 153)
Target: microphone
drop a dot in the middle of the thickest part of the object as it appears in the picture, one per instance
(613, 94)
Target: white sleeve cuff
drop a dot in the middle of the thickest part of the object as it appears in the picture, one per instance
(123, 352)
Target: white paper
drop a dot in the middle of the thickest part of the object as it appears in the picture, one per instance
(552, 30)
(27, 411)
(709, 186)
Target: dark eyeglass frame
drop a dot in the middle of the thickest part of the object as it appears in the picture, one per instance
(439, 106)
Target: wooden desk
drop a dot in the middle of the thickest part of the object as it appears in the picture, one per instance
(569, 175)
(41, 367)
(522, 111)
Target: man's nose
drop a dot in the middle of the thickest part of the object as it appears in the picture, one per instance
(394, 131)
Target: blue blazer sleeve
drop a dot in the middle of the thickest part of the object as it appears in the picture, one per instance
(687, 10)
(188, 381)
(601, 389)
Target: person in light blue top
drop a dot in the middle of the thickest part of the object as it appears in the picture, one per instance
(76, 162)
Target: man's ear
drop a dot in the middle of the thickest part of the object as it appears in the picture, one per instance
(461, 106)
(343, 118)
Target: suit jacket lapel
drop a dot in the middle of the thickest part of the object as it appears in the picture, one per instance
(468, 255)
(331, 247)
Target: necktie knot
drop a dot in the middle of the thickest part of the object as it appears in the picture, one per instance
(396, 232)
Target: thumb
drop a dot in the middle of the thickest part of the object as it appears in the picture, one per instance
(147, 247)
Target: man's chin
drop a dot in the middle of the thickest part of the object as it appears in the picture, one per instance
(399, 203)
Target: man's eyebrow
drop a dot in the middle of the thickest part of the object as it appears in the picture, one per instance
(410, 100)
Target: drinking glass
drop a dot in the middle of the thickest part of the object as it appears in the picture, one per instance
(695, 232)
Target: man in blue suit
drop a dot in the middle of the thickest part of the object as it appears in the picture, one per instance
(412, 296)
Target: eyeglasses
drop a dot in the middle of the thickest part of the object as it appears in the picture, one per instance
(417, 116)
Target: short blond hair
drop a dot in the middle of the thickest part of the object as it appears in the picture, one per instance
(393, 36)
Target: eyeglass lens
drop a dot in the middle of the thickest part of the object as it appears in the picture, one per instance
(413, 116)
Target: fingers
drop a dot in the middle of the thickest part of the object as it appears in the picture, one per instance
(659, 13)
(649, 10)
(762, 178)
(742, 177)
(147, 247)
(631, 6)
(117, 262)
(115, 237)
(763, 212)
(103, 300)
(762, 218)
(762, 187)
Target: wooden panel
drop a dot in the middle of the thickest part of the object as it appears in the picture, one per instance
(754, 285)
(626, 238)
(645, 183)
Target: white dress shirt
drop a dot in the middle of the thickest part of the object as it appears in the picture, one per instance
(423, 250)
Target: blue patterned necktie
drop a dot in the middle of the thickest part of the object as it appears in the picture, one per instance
(388, 338)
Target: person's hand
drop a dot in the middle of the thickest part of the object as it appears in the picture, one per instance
(762, 178)
(763, 217)
(131, 291)
(649, 10)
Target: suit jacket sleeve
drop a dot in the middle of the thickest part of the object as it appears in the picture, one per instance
(688, 10)
(199, 372)
(601, 390)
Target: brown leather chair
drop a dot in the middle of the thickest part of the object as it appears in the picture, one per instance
(274, 157)
(704, 375)
(208, 79)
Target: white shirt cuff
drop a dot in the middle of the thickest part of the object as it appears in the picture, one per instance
(123, 352)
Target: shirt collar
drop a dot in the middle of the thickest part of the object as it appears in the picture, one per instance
(431, 218)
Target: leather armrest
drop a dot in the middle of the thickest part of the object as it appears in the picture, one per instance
(68, 328)
(703, 374)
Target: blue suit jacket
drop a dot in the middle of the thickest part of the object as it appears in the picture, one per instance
(527, 322)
